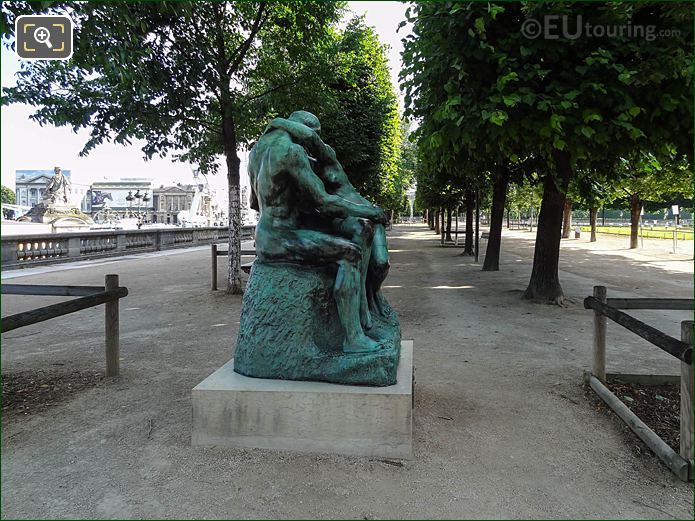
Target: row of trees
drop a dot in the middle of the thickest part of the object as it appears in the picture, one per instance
(583, 114)
(199, 81)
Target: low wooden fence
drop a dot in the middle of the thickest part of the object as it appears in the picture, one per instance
(90, 296)
(20, 251)
(681, 463)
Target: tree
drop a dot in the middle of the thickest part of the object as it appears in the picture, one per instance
(595, 189)
(646, 179)
(186, 77)
(8, 195)
(478, 83)
(361, 117)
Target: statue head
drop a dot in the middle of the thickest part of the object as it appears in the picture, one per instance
(308, 119)
(57, 171)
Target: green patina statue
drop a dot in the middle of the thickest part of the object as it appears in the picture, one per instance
(313, 307)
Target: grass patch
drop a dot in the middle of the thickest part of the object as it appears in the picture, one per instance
(655, 233)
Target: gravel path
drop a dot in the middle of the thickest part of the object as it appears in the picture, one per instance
(503, 427)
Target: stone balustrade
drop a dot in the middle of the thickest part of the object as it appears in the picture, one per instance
(30, 250)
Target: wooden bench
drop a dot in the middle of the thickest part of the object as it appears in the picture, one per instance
(215, 252)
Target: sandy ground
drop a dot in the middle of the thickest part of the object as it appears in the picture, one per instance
(503, 427)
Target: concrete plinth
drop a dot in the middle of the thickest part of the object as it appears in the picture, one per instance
(232, 410)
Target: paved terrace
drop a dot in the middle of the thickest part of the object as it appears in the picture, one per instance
(502, 425)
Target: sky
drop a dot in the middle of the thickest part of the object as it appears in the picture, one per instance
(26, 145)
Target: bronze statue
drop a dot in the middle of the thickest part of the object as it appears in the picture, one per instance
(313, 308)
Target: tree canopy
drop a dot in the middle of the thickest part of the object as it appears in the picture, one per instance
(199, 80)
(8, 195)
(488, 96)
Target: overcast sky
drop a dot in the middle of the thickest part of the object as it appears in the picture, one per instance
(26, 145)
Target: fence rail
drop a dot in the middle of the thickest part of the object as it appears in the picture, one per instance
(671, 345)
(19, 251)
(90, 296)
(680, 463)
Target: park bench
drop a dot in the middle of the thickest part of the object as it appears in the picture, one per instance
(90, 296)
(216, 252)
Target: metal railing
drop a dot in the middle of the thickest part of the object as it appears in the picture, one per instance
(30, 250)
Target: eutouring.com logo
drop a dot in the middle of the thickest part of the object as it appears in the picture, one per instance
(566, 27)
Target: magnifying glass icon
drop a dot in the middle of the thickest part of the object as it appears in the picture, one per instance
(42, 35)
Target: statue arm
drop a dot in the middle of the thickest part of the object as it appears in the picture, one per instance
(303, 135)
(324, 154)
(332, 205)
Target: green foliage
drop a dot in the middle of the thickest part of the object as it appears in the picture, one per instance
(183, 76)
(201, 79)
(653, 180)
(525, 195)
(483, 92)
(8, 195)
(358, 109)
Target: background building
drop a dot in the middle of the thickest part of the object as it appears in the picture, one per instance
(113, 195)
(30, 185)
(168, 201)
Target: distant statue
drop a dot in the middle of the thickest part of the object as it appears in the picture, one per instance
(313, 309)
(58, 189)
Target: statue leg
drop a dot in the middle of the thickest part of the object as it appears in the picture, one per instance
(314, 247)
(378, 270)
(361, 232)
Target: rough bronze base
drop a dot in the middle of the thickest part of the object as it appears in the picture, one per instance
(290, 330)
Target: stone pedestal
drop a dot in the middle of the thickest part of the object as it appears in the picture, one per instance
(61, 218)
(233, 410)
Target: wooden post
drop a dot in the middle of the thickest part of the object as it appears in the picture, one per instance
(213, 281)
(599, 363)
(686, 451)
(111, 328)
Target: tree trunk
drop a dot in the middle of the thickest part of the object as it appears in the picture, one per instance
(507, 218)
(635, 211)
(442, 223)
(448, 224)
(545, 281)
(436, 221)
(593, 212)
(494, 242)
(567, 219)
(233, 164)
(468, 241)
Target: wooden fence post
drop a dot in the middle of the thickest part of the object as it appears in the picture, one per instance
(687, 397)
(599, 359)
(111, 328)
(213, 284)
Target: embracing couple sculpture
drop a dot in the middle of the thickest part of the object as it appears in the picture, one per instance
(321, 259)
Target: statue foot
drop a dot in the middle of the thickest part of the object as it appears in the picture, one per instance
(362, 344)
